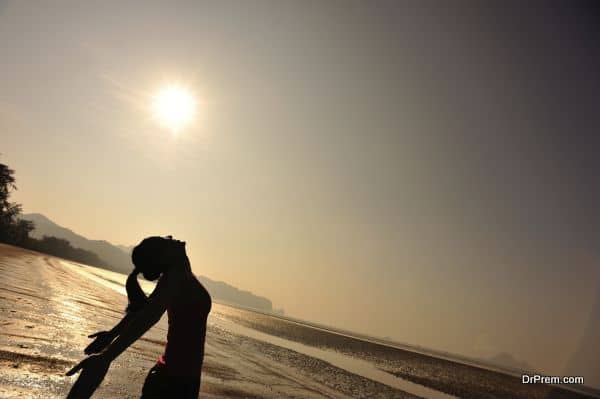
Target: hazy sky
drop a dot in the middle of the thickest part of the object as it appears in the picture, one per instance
(424, 173)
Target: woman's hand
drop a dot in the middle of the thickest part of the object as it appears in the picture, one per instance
(93, 369)
(103, 339)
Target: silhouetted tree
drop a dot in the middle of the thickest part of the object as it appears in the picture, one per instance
(16, 231)
(12, 229)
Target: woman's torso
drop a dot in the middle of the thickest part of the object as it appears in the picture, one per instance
(187, 314)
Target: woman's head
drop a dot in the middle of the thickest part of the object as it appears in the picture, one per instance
(154, 255)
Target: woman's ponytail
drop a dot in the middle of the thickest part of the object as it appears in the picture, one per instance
(143, 257)
(135, 295)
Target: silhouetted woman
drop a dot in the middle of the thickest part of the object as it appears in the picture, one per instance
(177, 372)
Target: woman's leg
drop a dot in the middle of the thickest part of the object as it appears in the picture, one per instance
(192, 389)
(184, 388)
(180, 387)
(156, 385)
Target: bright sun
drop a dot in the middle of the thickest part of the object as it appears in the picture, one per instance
(174, 107)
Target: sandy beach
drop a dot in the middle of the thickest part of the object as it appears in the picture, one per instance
(48, 308)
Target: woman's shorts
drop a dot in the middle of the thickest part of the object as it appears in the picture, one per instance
(160, 385)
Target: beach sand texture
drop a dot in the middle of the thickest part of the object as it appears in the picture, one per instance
(47, 309)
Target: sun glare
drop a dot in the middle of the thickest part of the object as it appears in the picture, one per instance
(174, 107)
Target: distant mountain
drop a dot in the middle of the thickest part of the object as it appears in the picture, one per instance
(125, 248)
(227, 293)
(118, 257)
(507, 361)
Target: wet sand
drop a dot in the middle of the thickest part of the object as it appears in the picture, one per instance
(444, 375)
(47, 310)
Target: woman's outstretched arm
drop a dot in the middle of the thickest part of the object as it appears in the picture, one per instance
(145, 318)
(104, 338)
(94, 367)
(137, 300)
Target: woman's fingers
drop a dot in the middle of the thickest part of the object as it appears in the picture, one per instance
(101, 341)
(75, 369)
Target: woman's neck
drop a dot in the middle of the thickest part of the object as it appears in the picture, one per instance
(181, 264)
